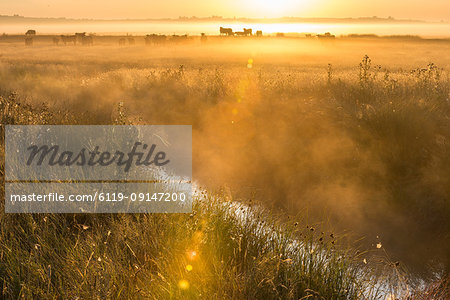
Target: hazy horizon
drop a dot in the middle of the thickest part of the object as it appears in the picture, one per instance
(185, 18)
(435, 10)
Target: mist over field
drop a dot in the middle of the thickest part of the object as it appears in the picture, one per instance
(196, 26)
(349, 136)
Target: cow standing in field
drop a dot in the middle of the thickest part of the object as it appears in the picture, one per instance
(69, 39)
(79, 37)
(29, 35)
(226, 31)
(246, 32)
(122, 41)
(178, 38)
(203, 38)
(155, 39)
(55, 41)
(326, 36)
(259, 33)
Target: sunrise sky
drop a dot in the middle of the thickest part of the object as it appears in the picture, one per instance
(434, 10)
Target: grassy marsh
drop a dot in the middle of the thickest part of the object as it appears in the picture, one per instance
(321, 143)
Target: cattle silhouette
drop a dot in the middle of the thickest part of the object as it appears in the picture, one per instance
(29, 37)
(69, 39)
(178, 38)
(122, 41)
(155, 39)
(259, 33)
(226, 31)
(246, 32)
(326, 36)
(203, 37)
(55, 41)
(79, 37)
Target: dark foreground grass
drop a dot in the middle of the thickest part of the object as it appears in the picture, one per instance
(212, 254)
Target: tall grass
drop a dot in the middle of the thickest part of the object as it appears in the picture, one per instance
(367, 144)
(222, 250)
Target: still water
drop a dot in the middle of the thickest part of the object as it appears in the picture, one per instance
(195, 28)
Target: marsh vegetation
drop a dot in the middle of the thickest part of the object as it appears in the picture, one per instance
(322, 169)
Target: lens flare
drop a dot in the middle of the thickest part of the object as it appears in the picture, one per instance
(183, 284)
(192, 255)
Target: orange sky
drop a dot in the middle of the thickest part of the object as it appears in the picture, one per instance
(415, 9)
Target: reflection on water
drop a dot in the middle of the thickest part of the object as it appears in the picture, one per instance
(195, 28)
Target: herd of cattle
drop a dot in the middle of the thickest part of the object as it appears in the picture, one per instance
(150, 39)
(245, 32)
(79, 37)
